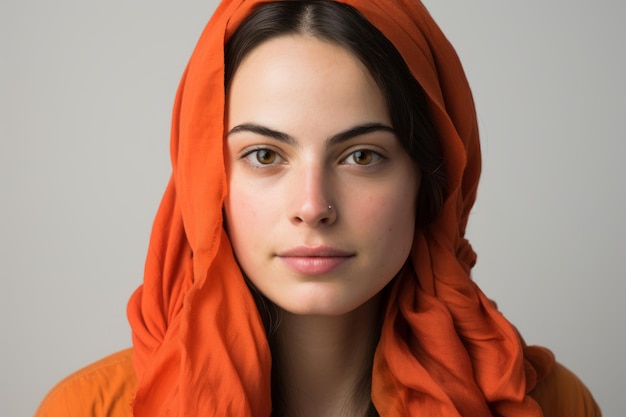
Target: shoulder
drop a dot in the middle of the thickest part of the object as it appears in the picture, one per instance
(104, 388)
(562, 394)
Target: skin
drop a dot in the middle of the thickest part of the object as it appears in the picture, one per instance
(307, 128)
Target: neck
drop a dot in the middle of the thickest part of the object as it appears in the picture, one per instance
(324, 366)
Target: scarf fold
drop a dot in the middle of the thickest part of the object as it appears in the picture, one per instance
(199, 344)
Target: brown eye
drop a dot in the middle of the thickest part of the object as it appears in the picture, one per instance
(265, 156)
(262, 158)
(363, 157)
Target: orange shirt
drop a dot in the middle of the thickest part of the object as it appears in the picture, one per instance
(106, 389)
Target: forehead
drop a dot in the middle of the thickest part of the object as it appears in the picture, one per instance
(300, 80)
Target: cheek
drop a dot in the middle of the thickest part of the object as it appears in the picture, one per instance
(390, 218)
(251, 216)
(242, 219)
(400, 216)
(250, 201)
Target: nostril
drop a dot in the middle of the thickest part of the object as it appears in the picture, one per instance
(324, 216)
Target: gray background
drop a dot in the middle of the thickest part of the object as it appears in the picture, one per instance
(86, 90)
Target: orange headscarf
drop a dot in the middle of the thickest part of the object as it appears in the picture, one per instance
(199, 343)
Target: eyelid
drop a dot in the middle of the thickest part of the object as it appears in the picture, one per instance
(367, 148)
(248, 152)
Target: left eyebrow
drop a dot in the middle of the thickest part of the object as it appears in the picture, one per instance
(362, 129)
(358, 131)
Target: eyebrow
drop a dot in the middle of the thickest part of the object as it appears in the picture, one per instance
(354, 131)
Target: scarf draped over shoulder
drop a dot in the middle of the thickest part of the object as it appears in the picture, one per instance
(199, 344)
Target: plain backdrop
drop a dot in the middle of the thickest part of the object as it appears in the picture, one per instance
(86, 91)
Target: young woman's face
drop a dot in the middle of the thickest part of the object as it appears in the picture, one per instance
(321, 203)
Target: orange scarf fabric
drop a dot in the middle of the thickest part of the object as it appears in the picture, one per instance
(199, 343)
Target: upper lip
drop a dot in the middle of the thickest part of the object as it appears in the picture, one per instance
(314, 252)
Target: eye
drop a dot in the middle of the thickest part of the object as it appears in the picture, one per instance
(262, 156)
(362, 157)
(265, 156)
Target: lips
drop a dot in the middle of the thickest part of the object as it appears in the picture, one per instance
(317, 260)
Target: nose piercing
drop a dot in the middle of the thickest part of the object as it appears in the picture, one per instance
(330, 207)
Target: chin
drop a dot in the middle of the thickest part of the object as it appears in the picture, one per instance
(326, 304)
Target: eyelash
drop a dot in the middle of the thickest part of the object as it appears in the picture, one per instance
(252, 157)
(373, 154)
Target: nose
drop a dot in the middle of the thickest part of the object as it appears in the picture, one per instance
(311, 198)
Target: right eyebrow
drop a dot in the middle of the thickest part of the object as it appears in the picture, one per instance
(358, 130)
(264, 131)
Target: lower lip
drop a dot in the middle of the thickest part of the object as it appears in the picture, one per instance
(314, 265)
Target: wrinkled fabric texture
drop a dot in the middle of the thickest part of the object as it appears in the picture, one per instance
(199, 343)
(106, 388)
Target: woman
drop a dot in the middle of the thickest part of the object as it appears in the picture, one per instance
(309, 256)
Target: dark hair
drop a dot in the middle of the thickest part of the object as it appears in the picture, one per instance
(345, 26)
